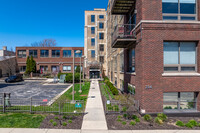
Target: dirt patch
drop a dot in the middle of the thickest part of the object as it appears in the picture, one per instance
(83, 95)
(73, 122)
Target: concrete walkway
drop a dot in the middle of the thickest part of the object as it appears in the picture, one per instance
(95, 117)
(21, 130)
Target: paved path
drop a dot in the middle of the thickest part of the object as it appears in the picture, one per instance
(95, 117)
(20, 130)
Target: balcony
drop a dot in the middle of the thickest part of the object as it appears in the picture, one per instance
(123, 36)
(121, 7)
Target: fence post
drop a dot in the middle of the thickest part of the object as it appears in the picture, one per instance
(3, 102)
(31, 105)
(59, 107)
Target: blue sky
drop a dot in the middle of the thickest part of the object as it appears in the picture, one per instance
(23, 22)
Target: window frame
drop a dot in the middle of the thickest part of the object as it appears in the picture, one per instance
(44, 56)
(67, 55)
(179, 15)
(101, 24)
(101, 47)
(34, 56)
(181, 65)
(55, 56)
(101, 36)
(101, 59)
(100, 17)
(22, 55)
(92, 54)
(92, 19)
(78, 55)
(92, 30)
(67, 68)
(93, 43)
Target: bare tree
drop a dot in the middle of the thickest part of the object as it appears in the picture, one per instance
(9, 65)
(45, 43)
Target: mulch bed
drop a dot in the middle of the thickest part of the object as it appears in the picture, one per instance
(113, 124)
(76, 122)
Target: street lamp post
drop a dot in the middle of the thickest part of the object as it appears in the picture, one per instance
(80, 91)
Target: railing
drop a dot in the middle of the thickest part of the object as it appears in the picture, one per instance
(123, 31)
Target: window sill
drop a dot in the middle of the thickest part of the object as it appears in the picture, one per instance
(121, 72)
(181, 74)
(132, 73)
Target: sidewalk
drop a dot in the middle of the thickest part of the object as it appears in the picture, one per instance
(21, 130)
(95, 117)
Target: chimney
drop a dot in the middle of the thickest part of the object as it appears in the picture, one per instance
(5, 48)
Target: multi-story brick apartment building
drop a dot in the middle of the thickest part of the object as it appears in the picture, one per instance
(161, 52)
(49, 59)
(95, 43)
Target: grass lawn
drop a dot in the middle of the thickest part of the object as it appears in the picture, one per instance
(18, 120)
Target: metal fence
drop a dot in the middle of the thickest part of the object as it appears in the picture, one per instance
(41, 106)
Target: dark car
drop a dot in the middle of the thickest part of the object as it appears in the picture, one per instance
(14, 78)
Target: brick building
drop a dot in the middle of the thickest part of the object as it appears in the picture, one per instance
(49, 59)
(95, 43)
(161, 46)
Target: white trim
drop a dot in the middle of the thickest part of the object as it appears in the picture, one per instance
(180, 74)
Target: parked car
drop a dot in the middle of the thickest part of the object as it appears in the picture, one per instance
(14, 78)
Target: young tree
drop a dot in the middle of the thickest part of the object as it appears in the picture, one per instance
(77, 69)
(32, 65)
(28, 67)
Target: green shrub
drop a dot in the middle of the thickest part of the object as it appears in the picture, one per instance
(134, 117)
(162, 116)
(158, 120)
(64, 117)
(119, 120)
(168, 107)
(147, 117)
(189, 125)
(51, 121)
(125, 115)
(193, 122)
(54, 124)
(112, 88)
(77, 77)
(116, 108)
(119, 116)
(137, 120)
(69, 78)
(123, 123)
(124, 109)
(64, 124)
(180, 124)
(56, 118)
(109, 107)
(132, 123)
(69, 121)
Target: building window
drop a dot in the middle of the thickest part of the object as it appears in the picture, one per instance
(115, 60)
(93, 53)
(101, 36)
(21, 53)
(66, 68)
(43, 69)
(78, 55)
(115, 81)
(55, 69)
(93, 42)
(131, 60)
(76, 67)
(22, 69)
(67, 53)
(179, 9)
(101, 47)
(180, 56)
(131, 89)
(122, 62)
(92, 18)
(101, 59)
(44, 53)
(33, 53)
(179, 100)
(55, 53)
(92, 30)
(101, 25)
(101, 16)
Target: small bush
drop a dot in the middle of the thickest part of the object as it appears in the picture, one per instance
(119, 116)
(158, 120)
(56, 118)
(116, 108)
(147, 117)
(119, 120)
(137, 120)
(134, 117)
(51, 121)
(189, 125)
(180, 124)
(69, 121)
(112, 88)
(69, 78)
(64, 117)
(64, 124)
(132, 123)
(125, 115)
(193, 122)
(168, 107)
(162, 116)
(123, 123)
(124, 109)
(54, 124)
(110, 107)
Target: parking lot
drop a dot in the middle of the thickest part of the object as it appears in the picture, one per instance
(33, 88)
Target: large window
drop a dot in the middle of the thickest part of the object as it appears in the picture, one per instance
(44, 53)
(179, 100)
(101, 47)
(78, 54)
(93, 42)
(179, 9)
(67, 53)
(179, 56)
(55, 69)
(101, 16)
(21, 53)
(101, 59)
(101, 36)
(131, 67)
(92, 30)
(92, 18)
(67, 68)
(101, 25)
(93, 53)
(22, 68)
(43, 69)
(55, 53)
(33, 53)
